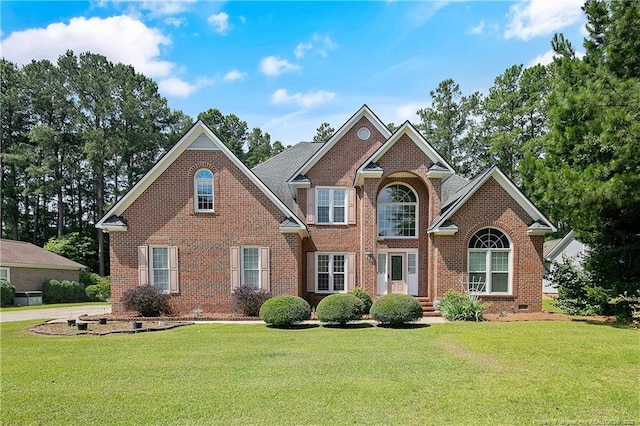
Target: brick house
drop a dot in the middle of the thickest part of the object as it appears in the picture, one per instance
(369, 208)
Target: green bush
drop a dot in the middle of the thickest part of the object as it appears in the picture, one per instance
(339, 308)
(54, 291)
(361, 294)
(100, 289)
(396, 309)
(458, 306)
(577, 294)
(248, 300)
(147, 300)
(7, 292)
(284, 311)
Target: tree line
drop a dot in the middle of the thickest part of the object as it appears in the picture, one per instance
(77, 134)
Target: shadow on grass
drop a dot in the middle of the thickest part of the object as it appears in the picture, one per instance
(349, 326)
(404, 326)
(613, 324)
(295, 327)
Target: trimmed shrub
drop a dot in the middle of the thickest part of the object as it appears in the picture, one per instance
(54, 291)
(339, 308)
(284, 311)
(101, 290)
(396, 309)
(458, 306)
(7, 292)
(248, 300)
(361, 294)
(147, 300)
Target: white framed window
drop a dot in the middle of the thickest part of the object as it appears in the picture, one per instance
(5, 274)
(489, 262)
(159, 268)
(331, 272)
(203, 190)
(331, 205)
(397, 212)
(250, 267)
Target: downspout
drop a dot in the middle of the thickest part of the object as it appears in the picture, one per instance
(361, 224)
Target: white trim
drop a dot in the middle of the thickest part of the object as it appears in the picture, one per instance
(364, 111)
(331, 272)
(487, 271)
(199, 128)
(8, 273)
(417, 213)
(345, 206)
(562, 244)
(195, 191)
(40, 266)
(508, 186)
(391, 251)
(417, 138)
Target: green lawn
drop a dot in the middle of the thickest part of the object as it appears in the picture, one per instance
(549, 306)
(53, 305)
(456, 373)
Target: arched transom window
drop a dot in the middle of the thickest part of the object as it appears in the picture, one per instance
(490, 262)
(203, 190)
(397, 207)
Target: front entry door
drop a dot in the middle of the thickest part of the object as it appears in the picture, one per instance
(397, 273)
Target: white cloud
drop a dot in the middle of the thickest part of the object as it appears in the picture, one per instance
(167, 7)
(478, 29)
(175, 86)
(220, 21)
(534, 18)
(234, 75)
(273, 66)
(119, 38)
(305, 100)
(325, 44)
(175, 22)
(408, 112)
(424, 11)
(547, 57)
(302, 48)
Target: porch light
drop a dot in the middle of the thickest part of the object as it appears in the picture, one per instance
(369, 254)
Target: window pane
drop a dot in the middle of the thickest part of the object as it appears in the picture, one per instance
(323, 197)
(338, 197)
(323, 214)
(396, 268)
(204, 174)
(250, 258)
(161, 279)
(499, 282)
(338, 282)
(338, 263)
(323, 282)
(159, 257)
(252, 278)
(499, 262)
(477, 282)
(323, 263)
(4, 274)
(338, 214)
(382, 263)
(411, 263)
(477, 261)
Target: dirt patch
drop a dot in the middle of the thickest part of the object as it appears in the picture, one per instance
(544, 316)
(95, 328)
(484, 360)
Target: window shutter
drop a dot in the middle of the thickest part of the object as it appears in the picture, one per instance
(311, 272)
(351, 271)
(235, 267)
(173, 270)
(351, 202)
(143, 265)
(311, 205)
(264, 268)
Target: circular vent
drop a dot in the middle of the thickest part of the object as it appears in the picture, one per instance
(364, 133)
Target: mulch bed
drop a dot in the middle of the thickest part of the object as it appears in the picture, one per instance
(94, 328)
(544, 316)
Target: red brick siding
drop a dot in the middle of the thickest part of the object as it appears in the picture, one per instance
(31, 279)
(164, 215)
(491, 206)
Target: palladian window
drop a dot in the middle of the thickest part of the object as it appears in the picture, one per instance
(397, 209)
(489, 262)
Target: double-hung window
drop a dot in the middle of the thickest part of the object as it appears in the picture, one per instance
(203, 190)
(489, 262)
(159, 274)
(331, 272)
(331, 205)
(251, 267)
(5, 274)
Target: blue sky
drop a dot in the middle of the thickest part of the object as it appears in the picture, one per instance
(286, 67)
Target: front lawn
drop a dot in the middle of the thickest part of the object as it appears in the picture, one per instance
(52, 305)
(456, 373)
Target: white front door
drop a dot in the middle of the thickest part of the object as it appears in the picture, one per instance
(397, 272)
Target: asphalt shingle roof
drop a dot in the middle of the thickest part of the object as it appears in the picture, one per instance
(25, 254)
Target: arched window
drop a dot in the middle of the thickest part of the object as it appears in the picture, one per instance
(397, 207)
(490, 262)
(203, 190)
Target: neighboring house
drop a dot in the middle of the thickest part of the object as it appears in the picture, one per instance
(369, 208)
(561, 250)
(27, 266)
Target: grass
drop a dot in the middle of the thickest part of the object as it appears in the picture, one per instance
(456, 373)
(549, 306)
(52, 305)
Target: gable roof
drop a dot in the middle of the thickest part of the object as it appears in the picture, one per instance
(199, 136)
(23, 254)
(540, 226)
(440, 166)
(275, 171)
(553, 248)
(364, 111)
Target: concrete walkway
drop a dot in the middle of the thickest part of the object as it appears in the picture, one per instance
(72, 312)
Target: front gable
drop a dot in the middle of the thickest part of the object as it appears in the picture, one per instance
(198, 138)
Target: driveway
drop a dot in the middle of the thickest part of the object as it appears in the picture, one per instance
(54, 313)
